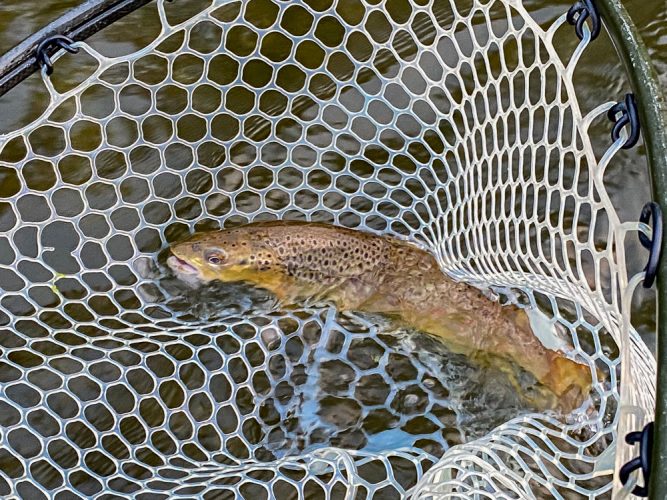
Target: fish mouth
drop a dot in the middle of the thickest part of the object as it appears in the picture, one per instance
(181, 266)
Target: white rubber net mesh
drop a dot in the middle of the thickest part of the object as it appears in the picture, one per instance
(454, 124)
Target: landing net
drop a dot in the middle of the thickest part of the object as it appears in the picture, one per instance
(453, 124)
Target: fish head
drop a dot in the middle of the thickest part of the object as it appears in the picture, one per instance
(228, 255)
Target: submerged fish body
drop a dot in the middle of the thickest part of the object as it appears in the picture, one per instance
(363, 272)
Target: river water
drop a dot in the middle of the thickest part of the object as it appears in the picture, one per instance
(599, 78)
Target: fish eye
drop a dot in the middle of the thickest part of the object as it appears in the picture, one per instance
(215, 257)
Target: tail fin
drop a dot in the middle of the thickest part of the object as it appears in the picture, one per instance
(569, 380)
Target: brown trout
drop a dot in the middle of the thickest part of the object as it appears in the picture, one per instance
(359, 271)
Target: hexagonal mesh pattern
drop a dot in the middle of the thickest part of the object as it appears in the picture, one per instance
(454, 124)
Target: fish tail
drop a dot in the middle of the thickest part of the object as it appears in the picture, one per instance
(502, 331)
(569, 380)
(566, 375)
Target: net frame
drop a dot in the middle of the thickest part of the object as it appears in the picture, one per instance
(641, 368)
(653, 114)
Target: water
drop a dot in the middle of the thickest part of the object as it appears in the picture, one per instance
(600, 76)
(454, 393)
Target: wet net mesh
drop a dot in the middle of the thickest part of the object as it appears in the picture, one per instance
(452, 124)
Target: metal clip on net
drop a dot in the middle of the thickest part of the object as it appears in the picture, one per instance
(47, 45)
(629, 115)
(579, 13)
(643, 461)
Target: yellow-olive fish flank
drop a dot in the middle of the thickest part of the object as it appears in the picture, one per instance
(362, 272)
